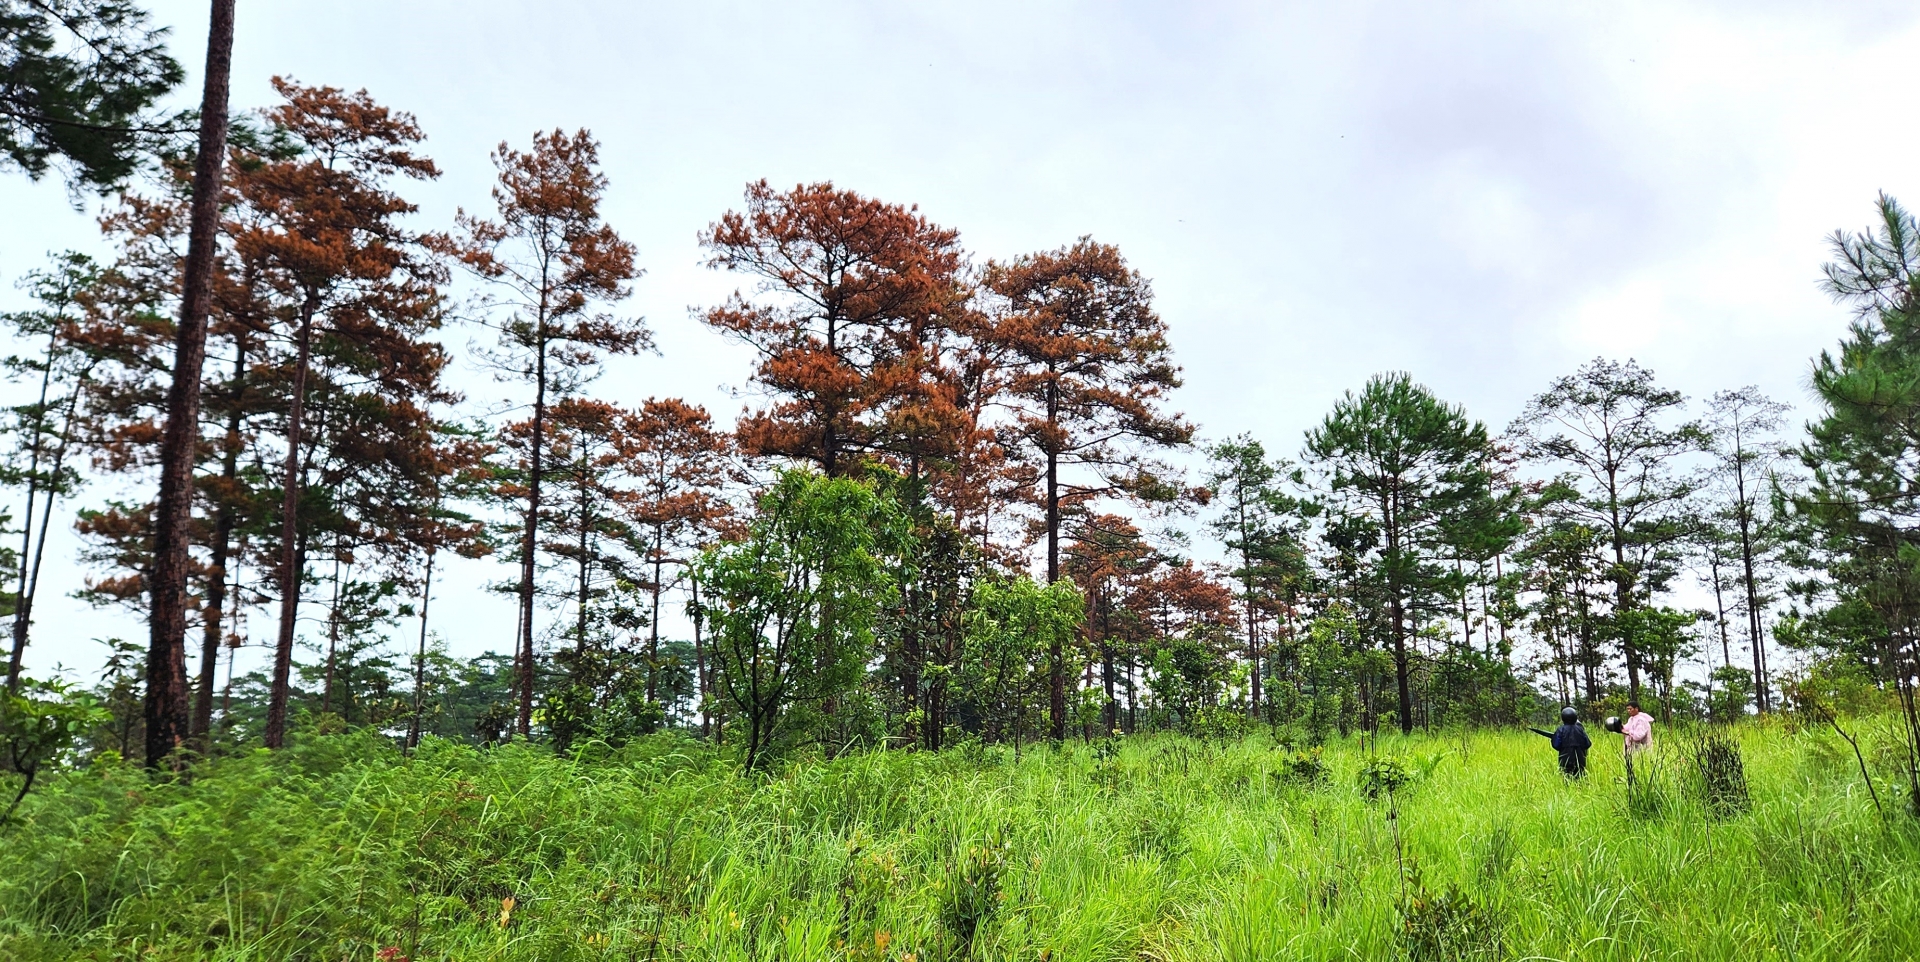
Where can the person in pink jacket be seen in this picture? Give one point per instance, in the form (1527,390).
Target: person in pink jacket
(1638,729)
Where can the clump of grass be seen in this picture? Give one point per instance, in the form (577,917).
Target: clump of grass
(1159,829)
(1497,853)
(1723,776)
(1648,795)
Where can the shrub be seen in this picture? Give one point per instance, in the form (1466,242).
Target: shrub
(972,893)
(1447,927)
(1383,776)
(1307,769)
(39,729)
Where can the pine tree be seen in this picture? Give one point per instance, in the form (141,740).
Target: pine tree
(1260,524)
(78,84)
(166,708)
(851,291)
(682,468)
(46,427)
(1610,424)
(1416,469)
(360,294)
(1086,367)
(554,266)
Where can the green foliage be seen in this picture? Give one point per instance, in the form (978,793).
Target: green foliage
(1010,629)
(1450,926)
(78,81)
(1731,690)
(972,894)
(1413,471)
(41,726)
(792,607)
(1855,517)
(1188,682)
(1381,776)
(1306,769)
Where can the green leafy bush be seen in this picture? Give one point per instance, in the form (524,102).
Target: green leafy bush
(1381,776)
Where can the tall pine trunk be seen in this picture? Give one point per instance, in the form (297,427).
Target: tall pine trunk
(1253,624)
(1622,588)
(165,704)
(1761,697)
(586,566)
(333,640)
(1397,613)
(702,666)
(653,620)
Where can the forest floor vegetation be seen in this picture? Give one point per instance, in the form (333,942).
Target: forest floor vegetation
(1443,846)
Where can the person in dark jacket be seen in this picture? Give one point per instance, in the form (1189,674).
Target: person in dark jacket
(1571,741)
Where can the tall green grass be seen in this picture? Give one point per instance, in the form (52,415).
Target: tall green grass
(1164,848)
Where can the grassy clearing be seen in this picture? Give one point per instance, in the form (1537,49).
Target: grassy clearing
(1161,848)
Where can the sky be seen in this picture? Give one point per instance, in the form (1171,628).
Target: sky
(1485,195)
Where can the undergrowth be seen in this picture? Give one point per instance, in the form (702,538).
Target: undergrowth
(1149,847)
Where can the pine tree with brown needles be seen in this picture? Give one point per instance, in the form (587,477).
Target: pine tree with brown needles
(553,266)
(360,293)
(682,469)
(1087,368)
(849,292)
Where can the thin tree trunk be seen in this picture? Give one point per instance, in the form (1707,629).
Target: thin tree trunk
(1720,608)
(22,598)
(653,620)
(165,705)
(1623,589)
(290,536)
(701,664)
(1761,697)
(226,691)
(420,657)
(1396,612)
(23,617)
(586,566)
(1109,714)
(829,434)
(213,617)
(1057,670)
(1560,662)
(1587,659)
(1466,612)
(523,658)
(1253,624)
(333,639)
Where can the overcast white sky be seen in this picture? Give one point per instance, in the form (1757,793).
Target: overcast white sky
(1483,194)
